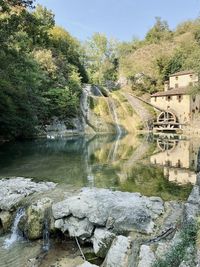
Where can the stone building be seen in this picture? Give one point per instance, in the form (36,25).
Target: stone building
(178,159)
(177,105)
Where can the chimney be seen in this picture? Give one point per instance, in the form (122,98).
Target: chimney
(166,86)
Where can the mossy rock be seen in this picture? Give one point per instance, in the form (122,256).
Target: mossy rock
(36,215)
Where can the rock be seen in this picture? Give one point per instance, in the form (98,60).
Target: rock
(120,211)
(102,241)
(87,264)
(36,215)
(192,207)
(191,212)
(174,211)
(146,257)
(59,128)
(5,220)
(60,210)
(81,228)
(119,252)
(14,190)
(33,263)
(162,249)
(194,197)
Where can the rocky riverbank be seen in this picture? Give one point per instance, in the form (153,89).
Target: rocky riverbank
(122,229)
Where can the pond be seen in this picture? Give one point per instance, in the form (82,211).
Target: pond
(152,165)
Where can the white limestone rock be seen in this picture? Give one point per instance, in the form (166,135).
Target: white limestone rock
(14,190)
(120,211)
(102,241)
(119,252)
(81,228)
(146,257)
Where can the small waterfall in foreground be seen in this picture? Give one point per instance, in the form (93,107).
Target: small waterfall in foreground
(46,240)
(15,232)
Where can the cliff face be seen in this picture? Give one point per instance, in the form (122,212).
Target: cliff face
(102,111)
(110,112)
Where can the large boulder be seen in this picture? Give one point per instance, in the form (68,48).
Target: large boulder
(120,211)
(81,228)
(192,207)
(119,252)
(102,241)
(146,257)
(5,221)
(38,216)
(14,190)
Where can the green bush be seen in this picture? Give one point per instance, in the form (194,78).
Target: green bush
(178,252)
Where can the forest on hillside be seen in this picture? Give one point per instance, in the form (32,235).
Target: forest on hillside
(43,67)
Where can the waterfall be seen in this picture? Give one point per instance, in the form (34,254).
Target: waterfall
(116,119)
(113,112)
(46,241)
(99,91)
(15,232)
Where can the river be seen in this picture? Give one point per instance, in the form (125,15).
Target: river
(152,165)
(161,166)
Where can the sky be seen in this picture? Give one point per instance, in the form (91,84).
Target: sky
(119,19)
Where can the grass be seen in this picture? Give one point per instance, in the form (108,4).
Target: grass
(179,251)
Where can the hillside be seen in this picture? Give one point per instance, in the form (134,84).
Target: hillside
(43,70)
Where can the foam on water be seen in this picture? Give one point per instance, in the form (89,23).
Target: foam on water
(15,233)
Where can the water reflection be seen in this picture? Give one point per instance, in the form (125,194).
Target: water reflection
(178,158)
(129,163)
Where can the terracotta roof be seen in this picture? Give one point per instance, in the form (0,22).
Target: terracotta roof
(174,91)
(184,72)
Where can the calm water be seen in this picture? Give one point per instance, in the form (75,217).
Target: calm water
(159,166)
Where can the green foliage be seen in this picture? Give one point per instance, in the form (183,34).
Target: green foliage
(178,252)
(41,69)
(174,65)
(62,102)
(101,59)
(160,31)
(160,54)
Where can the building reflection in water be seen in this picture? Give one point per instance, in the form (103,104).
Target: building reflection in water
(178,158)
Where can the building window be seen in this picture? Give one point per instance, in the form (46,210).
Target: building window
(193,98)
(179,163)
(179,98)
(176,85)
(176,77)
(168,163)
(191,76)
(168,98)
(155,98)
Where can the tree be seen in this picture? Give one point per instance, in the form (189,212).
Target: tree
(101,59)
(160,31)
(41,69)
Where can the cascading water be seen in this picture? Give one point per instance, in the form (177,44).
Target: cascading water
(116,119)
(15,232)
(113,152)
(90,176)
(46,240)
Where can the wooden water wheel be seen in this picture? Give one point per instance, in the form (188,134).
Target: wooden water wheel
(167,117)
